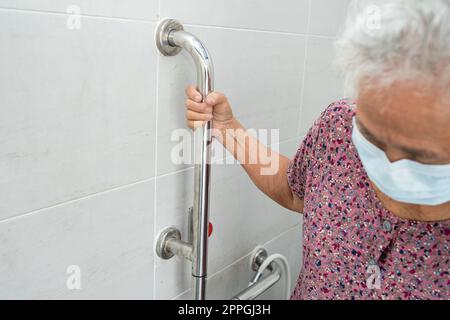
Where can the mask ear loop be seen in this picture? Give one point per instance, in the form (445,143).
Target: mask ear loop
(364,143)
(364,146)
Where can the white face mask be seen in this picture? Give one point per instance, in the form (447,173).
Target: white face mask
(404,180)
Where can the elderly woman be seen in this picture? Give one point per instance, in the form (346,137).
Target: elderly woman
(372,176)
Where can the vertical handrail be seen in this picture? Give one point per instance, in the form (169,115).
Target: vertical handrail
(171,38)
(202,174)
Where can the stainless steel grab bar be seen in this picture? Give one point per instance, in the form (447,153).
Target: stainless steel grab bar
(170,39)
(259,283)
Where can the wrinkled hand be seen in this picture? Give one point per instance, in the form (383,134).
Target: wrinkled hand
(215,107)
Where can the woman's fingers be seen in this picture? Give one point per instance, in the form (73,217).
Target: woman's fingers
(197,116)
(199,111)
(215,98)
(194,103)
(193,94)
(195,124)
(197,119)
(198,107)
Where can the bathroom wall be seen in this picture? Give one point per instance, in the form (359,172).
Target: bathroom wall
(87,109)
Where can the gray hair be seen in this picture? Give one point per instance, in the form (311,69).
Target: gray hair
(392,40)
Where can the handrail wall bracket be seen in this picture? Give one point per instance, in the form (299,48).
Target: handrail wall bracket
(165,27)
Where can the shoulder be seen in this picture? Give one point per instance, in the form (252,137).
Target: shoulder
(334,123)
(337,116)
(324,138)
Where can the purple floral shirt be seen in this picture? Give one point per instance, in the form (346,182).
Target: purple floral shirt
(354,248)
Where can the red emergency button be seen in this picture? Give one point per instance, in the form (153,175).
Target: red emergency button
(210,229)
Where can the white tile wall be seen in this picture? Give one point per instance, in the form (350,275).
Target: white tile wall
(322,84)
(174,194)
(109,236)
(130,9)
(85,123)
(327,16)
(77,110)
(281,15)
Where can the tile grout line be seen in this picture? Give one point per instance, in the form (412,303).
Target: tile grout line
(123,186)
(85,197)
(157,19)
(180,294)
(299,124)
(95,194)
(49,12)
(155,192)
(285,33)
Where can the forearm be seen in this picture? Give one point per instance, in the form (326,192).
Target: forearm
(265,167)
